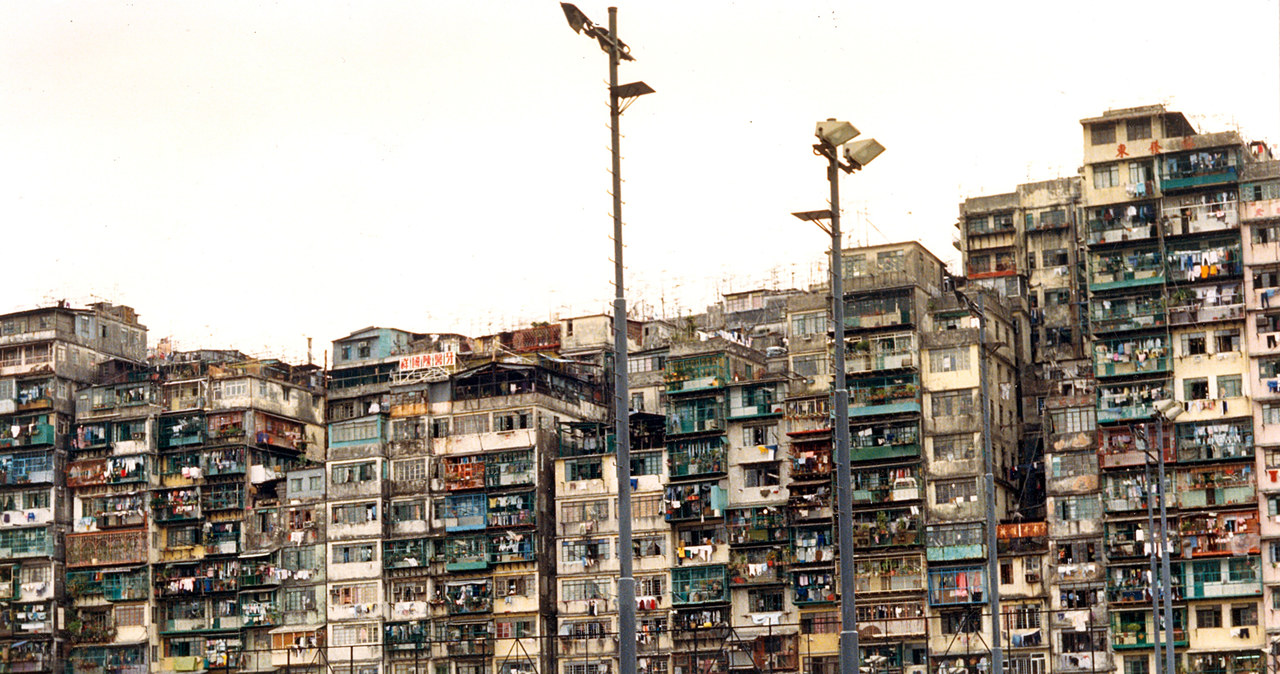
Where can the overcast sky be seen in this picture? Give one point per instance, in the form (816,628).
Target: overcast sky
(249,174)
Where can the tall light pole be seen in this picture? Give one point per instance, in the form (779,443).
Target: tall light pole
(617,50)
(1166,410)
(978,310)
(831,136)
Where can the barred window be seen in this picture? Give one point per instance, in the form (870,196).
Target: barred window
(952,359)
(353,635)
(585,511)
(585,588)
(470,424)
(953,403)
(409,469)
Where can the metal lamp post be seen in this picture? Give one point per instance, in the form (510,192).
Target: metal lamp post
(617,51)
(832,135)
(977,309)
(1166,410)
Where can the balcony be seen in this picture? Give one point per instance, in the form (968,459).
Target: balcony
(892,574)
(1185,178)
(757,566)
(883,395)
(28,468)
(882,442)
(508,469)
(953,542)
(1214,534)
(686,421)
(512,510)
(1230,440)
(1189,216)
(813,544)
(126,659)
(1129,402)
(259,614)
(114,470)
(407,554)
(1215,487)
(1218,578)
(1123,314)
(810,460)
(468,597)
(29,435)
(697,373)
(583,439)
(29,542)
(813,587)
(116,547)
(1113,224)
(407,636)
(1123,446)
(756,526)
(691,458)
(696,501)
(881,352)
(950,587)
(884,309)
(1125,269)
(887,528)
(181,431)
(218,462)
(175,505)
(1134,356)
(1022,538)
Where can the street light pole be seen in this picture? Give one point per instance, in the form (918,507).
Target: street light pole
(840,424)
(832,135)
(626,595)
(1165,575)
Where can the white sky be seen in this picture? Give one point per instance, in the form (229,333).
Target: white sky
(247,174)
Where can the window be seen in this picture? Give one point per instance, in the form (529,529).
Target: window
(357,593)
(1195,388)
(1031,257)
(808,325)
(949,360)
(1106,175)
(131,616)
(810,365)
(1244,615)
(588,552)
(1230,386)
(824,622)
(408,511)
(1141,171)
(1225,341)
(1006,576)
(1083,642)
(587,511)
(355,431)
(648,463)
(352,635)
(583,469)
(1241,570)
(299,599)
(953,403)
(761,475)
(440,428)
(471,424)
(1209,616)
(649,546)
(637,402)
(955,491)
(960,447)
(510,421)
(1056,257)
(651,586)
(1102,133)
(409,469)
(351,473)
(1271,415)
(647,507)
(1137,129)
(1078,507)
(1070,465)
(1022,616)
(516,586)
(1136,664)
(760,435)
(1193,344)
(585,588)
(961,622)
(764,600)
(350,554)
(514,629)
(355,513)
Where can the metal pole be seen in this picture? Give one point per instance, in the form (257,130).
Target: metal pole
(622,427)
(1165,579)
(1153,542)
(840,422)
(989,486)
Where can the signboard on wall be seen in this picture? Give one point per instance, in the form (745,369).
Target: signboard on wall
(421,361)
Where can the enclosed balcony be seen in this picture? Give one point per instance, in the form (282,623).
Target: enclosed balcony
(1212,533)
(884,441)
(813,544)
(32,432)
(181,431)
(259,609)
(29,542)
(755,400)
(1204,212)
(1133,538)
(216,462)
(955,541)
(1134,629)
(469,596)
(757,566)
(100,549)
(1125,268)
(175,505)
(1128,491)
(887,528)
(1133,222)
(221,538)
(979,225)
(583,439)
(884,395)
(200,577)
(112,512)
(409,553)
(963,585)
(1119,314)
(1217,578)
(1215,441)
(465,512)
(1022,537)
(113,470)
(694,501)
(509,469)
(92,436)
(504,549)
(890,574)
(813,586)
(697,373)
(1131,445)
(756,526)
(278,433)
(464,472)
(697,457)
(883,309)
(1119,357)
(1216,486)
(1130,401)
(874,353)
(112,586)
(1200,168)
(222,496)
(107,659)
(873,486)
(810,459)
(512,510)
(27,468)
(699,585)
(990,265)
(412,635)
(699,415)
